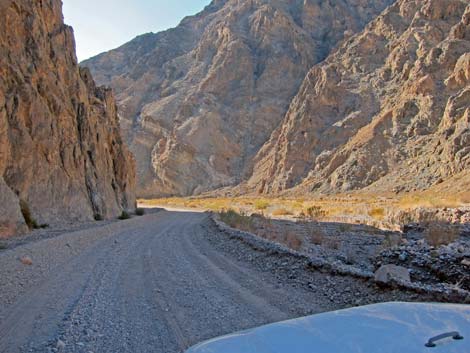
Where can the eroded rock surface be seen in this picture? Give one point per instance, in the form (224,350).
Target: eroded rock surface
(388,111)
(61,152)
(200,100)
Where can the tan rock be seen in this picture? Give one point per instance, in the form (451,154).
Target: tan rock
(388,111)
(388,273)
(218,101)
(26,260)
(200,100)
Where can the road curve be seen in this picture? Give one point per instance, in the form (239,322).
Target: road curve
(150,284)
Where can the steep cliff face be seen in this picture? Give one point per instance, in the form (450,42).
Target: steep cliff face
(61,154)
(200,100)
(389,111)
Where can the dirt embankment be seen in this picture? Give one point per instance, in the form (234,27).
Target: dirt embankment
(434,259)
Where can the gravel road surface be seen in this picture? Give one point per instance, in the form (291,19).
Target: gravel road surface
(158,283)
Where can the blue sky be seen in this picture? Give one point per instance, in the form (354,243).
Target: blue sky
(101,25)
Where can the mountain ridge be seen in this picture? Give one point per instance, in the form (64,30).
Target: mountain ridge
(400,124)
(197,106)
(263,101)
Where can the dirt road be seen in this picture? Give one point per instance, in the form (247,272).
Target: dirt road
(158,283)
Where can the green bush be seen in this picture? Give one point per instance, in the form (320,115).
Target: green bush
(237,220)
(140,211)
(124,215)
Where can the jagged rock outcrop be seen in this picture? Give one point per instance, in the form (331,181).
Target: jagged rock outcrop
(61,153)
(388,111)
(199,101)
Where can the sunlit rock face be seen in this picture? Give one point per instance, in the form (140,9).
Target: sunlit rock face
(61,152)
(388,111)
(199,101)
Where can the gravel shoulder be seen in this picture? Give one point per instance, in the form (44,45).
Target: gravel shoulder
(158,283)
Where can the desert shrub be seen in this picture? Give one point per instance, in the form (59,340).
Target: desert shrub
(377,213)
(261,205)
(315,212)
(282,212)
(28,217)
(407,217)
(332,243)
(124,215)
(350,256)
(140,211)
(3,246)
(98,217)
(237,220)
(344,227)
(391,241)
(317,236)
(440,233)
(266,229)
(429,200)
(212,204)
(293,241)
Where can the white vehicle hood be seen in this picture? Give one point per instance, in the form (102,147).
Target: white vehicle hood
(380,328)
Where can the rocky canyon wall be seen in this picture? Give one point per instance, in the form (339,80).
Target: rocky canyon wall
(388,111)
(303,96)
(200,100)
(61,153)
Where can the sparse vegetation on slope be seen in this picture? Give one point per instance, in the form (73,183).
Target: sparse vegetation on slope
(383,210)
(440,233)
(237,220)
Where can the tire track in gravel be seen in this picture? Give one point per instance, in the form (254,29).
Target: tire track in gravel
(123,316)
(214,288)
(241,293)
(154,284)
(37,315)
(274,293)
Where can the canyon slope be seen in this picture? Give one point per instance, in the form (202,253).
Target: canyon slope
(388,111)
(198,102)
(61,154)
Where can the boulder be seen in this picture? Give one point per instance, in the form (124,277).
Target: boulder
(388,273)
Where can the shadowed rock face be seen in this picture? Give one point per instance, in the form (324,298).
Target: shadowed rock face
(388,111)
(199,101)
(60,147)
